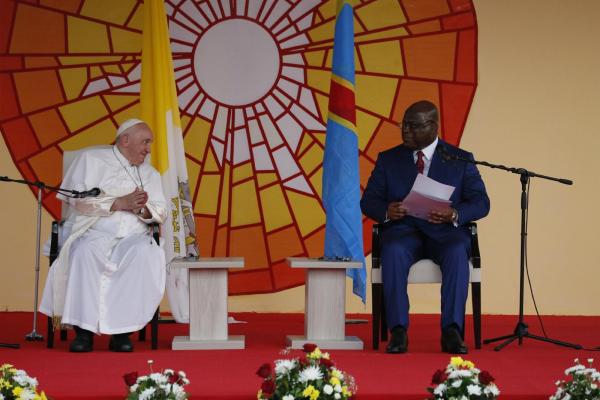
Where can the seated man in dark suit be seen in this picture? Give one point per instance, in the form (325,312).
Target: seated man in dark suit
(442,238)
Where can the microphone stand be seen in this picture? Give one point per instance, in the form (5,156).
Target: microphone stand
(34,335)
(521,329)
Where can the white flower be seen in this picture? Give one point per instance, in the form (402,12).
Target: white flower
(463,397)
(590,360)
(158,378)
(169,372)
(577,367)
(182,374)
(178,392)
(133,388)
(310,373)
(337,396)
(338,388)
(328,389)
(491,389)
(283,367)
(1,396)
(460,373)
(474,390)
(147,393)
(287,397)
(440,389)
(456,384)
(27,394)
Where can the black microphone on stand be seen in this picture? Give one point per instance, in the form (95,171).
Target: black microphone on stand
(440,148)
(86,193)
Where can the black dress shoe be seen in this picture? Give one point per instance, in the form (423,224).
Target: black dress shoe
(120,343)
(452,342)
(83,342)
(398,342)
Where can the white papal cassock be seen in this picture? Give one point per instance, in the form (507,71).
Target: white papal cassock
(110,274)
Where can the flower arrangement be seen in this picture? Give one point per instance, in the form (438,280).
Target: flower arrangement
(16,384)
(313,377)
(583,385)
(461,380)
(165,385)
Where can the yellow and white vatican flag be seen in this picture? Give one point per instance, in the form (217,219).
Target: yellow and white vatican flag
(159,108)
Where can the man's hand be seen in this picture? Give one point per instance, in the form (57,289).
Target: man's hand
(441,216)
(396,211)
(130,202)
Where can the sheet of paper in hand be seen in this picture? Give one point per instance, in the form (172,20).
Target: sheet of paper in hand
(427,194)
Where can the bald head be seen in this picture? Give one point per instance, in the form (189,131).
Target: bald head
(423,107)
(420,125)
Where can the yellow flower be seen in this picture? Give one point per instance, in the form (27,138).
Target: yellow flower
(325,356)
(17,391)
(346,392)
(336,373)
(43,395)
(308,391)
(315,394)
(259,394)
(456,361)
(316,354)
(468,364)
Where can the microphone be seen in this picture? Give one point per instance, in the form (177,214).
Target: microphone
(440,148)
(87,193)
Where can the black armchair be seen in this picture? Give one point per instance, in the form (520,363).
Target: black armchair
(424,271)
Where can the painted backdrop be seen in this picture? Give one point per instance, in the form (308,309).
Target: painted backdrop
(253,82)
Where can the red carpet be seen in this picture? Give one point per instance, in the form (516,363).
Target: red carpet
(522,372)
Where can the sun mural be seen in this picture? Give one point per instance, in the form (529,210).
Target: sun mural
(253,81)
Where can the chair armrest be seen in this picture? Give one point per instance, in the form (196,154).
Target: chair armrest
(475,255)
(155,227)
(54,247)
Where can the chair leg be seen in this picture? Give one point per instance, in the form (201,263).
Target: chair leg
(376,313)
(476,297)
(384,328)
(142,334)
(154,329)
(50,341)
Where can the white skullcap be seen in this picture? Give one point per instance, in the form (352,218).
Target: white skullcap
(128,124)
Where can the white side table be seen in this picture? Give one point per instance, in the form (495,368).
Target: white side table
(325,304)
(208,304)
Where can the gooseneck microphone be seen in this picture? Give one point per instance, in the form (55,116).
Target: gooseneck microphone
(440,148)
(87,193)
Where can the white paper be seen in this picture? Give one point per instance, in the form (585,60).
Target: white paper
(432,188)
(427,194)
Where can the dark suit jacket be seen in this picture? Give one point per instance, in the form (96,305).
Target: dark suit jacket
(395,172)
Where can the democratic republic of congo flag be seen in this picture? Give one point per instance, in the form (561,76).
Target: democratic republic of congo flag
(341,182)
(160,110)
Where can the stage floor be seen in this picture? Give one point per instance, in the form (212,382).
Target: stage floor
(522,372)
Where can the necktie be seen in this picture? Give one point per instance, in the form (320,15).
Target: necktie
(420,162)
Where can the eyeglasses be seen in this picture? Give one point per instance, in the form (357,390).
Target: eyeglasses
(416,126)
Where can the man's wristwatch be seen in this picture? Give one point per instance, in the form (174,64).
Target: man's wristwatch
(454,215)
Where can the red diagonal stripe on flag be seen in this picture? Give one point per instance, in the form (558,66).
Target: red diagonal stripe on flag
(341,102)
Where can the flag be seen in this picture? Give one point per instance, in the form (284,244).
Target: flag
(160,110)
(341,181)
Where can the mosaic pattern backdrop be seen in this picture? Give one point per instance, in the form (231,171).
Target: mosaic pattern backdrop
(253,82)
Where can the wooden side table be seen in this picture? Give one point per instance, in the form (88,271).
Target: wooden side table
(208,304)
(325,304)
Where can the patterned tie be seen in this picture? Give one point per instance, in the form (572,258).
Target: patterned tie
(420,162)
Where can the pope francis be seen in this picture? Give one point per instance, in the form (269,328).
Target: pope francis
(110,275)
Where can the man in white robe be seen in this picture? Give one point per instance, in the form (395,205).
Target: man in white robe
(109,277)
